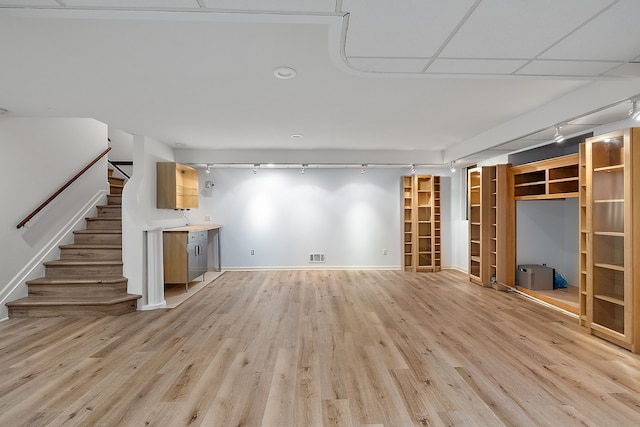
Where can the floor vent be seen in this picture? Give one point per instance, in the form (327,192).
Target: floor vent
(316,257)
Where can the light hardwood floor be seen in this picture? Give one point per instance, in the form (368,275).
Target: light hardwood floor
(332,348)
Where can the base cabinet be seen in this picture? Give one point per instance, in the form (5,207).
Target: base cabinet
(185,256)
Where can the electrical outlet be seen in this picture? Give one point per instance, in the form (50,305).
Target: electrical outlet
(252,252)
(384,252)
(207,217)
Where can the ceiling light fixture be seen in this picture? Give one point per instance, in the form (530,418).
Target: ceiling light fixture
(296,136)
(208,168)
(452,166)
(302,169)
(413,169)
(558,137)
(284,73)
(634,114)
(255,168)
(364,165)
(3,111)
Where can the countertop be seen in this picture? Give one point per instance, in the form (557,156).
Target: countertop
(195,227)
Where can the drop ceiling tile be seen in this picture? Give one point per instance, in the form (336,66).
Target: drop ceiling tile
(389,65)
(567,68)
(519,29)
(131,4)
(475,66)
(325,6)
(609,115)
(411,28)
(27,3)
(525,143)
(614,36)
(626,70)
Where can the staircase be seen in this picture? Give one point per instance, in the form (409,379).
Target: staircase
(87,280)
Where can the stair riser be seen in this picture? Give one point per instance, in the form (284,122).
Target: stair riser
(99,224)
(90,238)
(72,291)
(116,181)
(92,254)
(73,311)
(105,212)
(82,271)
(114,199)
(115,190)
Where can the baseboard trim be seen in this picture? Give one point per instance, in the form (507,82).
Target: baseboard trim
(302,268)
(150,307)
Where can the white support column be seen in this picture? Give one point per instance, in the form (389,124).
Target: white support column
(153,271)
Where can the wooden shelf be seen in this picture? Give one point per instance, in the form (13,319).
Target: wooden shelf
(609,266)
(608,168)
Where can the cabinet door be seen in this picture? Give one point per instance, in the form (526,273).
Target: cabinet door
(203,254)
(193,266)
(176,258)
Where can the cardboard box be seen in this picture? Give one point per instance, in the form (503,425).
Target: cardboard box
(535,277)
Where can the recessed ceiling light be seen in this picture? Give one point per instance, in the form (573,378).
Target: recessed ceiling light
(180,144)
(284,73)
(297,136)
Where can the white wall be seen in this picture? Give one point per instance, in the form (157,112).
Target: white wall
(37,157)
(548,233)
(121,144)
(139,214)
(456,246)
(284,215)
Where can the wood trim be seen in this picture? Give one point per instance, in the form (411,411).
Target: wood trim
(61,189)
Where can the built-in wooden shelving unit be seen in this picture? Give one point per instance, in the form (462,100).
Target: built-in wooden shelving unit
(584,238)
(491,227)
(609,248)
(421,223)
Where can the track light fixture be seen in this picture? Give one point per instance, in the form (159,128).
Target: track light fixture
(208,168)
(558,137)
(364,165)
(452,166)
(255,168)
(634,114)
(302,169)
(413,169)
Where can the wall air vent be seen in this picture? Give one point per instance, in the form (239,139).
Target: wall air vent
(317,257)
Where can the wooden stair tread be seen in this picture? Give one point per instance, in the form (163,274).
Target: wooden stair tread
(49,301)
(80,280)
(99,231)
(69,262)
(91,246)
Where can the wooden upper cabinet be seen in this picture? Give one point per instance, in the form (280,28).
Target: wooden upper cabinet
(177,186)
(555,178)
